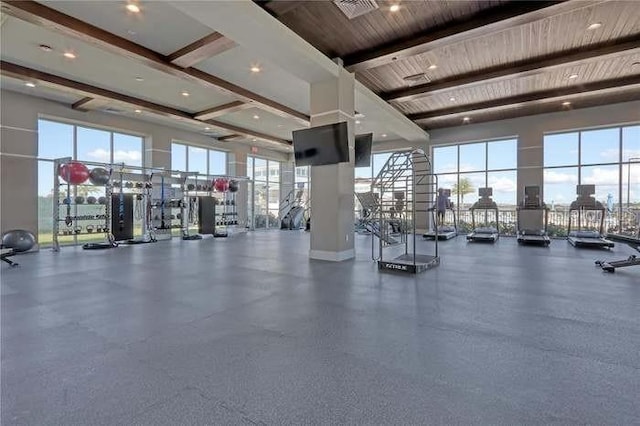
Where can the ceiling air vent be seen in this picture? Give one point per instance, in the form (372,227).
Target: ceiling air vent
(111,110)
(416,78)
(355,8)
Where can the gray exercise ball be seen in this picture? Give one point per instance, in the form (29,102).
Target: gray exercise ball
(18,240)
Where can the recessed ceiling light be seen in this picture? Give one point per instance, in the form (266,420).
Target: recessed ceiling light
(29,84)
(207,128)
(256,117)
(384,135)
(594,26)
(185,94)
(466,119)
(566,103)
(45,48)
(254,140)
(139,79)
(134,8)
(433,66)
(394,7)
(280,126)
(572,76)
(131,32)
(69,55)
(138,111)
(452,99)
(255,68)
(357,121)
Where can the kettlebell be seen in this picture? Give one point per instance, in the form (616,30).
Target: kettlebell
(91,200)
(128,184)
(79,199)
(102,200)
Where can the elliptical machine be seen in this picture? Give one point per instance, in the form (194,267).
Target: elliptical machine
(532,203)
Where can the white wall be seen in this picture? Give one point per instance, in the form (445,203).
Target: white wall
(530,133)
(19,146)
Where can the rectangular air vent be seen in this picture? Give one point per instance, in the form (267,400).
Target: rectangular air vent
(355,8)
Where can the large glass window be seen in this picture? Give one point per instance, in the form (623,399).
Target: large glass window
(197,160)
(190,158)
(266,176)
(83,143)
(464,168)
(602,157)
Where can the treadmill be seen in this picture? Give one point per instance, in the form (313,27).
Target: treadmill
(585,202)
(532,203)
(632,241)
(444,231)
(486,233)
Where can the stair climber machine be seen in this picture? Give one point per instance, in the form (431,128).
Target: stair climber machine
(487,233)
(441,229)
(404,191)
(292,210)
(588,210)
(369,222)
(532,204)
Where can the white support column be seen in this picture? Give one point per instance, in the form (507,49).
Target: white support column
(332,204)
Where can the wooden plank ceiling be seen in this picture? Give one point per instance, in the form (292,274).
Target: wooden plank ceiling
(478,57)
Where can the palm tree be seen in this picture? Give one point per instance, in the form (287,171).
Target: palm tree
(463,187)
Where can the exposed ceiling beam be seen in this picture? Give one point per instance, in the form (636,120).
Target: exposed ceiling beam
(81,104)
(95,93)
(485,22)
(534,109)
(200,50)
(229,137)
(66,25)
(520,69)
(279,8)
(222,110)
(530,97)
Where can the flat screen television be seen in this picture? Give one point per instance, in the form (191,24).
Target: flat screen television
(363,150)
(321,145)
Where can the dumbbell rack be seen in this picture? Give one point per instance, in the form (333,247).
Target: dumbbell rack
(166,201)
(226,214)
(74,228)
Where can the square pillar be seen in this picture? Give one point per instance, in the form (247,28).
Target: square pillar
(332,204)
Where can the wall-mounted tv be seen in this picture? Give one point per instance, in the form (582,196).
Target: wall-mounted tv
(321,145)
(363,150)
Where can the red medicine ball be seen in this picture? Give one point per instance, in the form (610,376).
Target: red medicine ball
(221,185)
(74,172)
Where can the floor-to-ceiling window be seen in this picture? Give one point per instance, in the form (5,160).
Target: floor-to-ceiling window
(609,158)
(191,158)
(464,168)
(266,196)
(83,143)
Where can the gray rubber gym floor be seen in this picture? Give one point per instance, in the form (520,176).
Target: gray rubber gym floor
(247,330)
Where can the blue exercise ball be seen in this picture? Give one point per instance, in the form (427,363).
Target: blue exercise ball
(19,240)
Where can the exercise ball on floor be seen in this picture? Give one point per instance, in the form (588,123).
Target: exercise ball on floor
(19,240)
(73,172)
(99,176)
